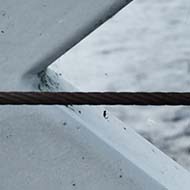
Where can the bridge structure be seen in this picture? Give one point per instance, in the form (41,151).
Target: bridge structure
(66,147)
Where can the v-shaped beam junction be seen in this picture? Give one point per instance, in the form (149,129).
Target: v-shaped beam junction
(35,33)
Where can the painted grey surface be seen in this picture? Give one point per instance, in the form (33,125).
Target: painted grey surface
(66,147)
(154,57)
(35,33)
(41,152)
(75,147)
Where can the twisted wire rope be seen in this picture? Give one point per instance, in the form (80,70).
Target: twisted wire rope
(95,98)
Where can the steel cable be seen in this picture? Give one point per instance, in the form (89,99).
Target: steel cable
(95,98)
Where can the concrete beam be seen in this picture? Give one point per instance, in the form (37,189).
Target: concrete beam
(51,147)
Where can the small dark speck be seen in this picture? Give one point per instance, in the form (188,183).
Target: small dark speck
(65,123)
(105,114)
(153,150)
(83,158)
(60,74)
(3,13)
(174,159)
(176,168)
(120,176)
(106,74)
(8,136)
(163,172)
(2,31)
(74,184)
(188,150)
(78,128)
(80,112)
(125,128)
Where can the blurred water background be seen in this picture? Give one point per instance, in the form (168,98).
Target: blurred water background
(146,47)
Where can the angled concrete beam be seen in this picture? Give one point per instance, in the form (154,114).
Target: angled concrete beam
(55,147)
(35,33)
(49,147)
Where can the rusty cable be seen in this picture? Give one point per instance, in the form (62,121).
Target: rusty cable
(95,98)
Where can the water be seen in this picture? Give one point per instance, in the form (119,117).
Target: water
(146,47)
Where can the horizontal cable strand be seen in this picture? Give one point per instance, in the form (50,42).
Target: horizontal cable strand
(95,98)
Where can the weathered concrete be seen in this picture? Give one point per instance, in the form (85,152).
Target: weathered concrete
(52,147)
(35,33)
